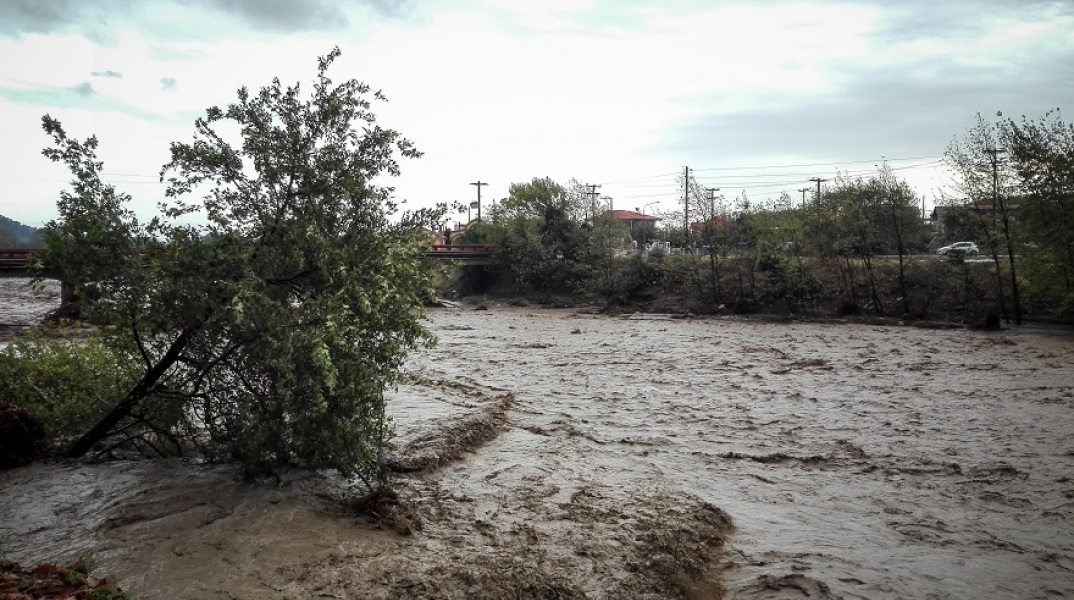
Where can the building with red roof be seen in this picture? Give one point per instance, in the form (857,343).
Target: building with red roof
(630,217)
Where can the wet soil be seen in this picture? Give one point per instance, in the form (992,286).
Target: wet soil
(550,454)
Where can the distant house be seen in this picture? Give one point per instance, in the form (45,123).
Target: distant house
(941,214)
(698,226)
(630,218)
(938,213)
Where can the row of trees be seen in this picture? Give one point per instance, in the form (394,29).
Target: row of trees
(16,235)
(549,245)
(861,245)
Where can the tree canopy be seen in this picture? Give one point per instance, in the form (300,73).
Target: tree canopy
(269,305)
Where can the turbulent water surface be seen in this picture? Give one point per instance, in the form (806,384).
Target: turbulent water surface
(855,461)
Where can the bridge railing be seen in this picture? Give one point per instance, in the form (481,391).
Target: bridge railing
(463,249)
(16,258)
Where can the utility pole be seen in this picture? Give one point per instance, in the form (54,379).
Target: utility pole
(591,199)
(686,204)
(1001,206)
(819,181)
(712,201)
(803,190)
(611,205)
(478,183)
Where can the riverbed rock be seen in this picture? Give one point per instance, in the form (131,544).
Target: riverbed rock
(21,436)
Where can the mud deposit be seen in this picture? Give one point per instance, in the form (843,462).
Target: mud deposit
(611,456)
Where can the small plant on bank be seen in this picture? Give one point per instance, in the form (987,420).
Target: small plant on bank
(48,581)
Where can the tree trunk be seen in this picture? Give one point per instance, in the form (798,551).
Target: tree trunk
(999,284)
(878,306)
(715,270)
(1014,273)
(896,227)
(104,427)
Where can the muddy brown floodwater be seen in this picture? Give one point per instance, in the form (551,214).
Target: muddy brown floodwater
(611,455)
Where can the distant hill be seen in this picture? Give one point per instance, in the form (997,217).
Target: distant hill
(16,235)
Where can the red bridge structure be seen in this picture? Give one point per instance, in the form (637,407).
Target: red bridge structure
(15,262)
(469,254)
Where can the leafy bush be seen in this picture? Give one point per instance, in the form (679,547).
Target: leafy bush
(268,333)
(66,385)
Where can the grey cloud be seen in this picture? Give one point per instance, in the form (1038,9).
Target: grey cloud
(292,15)
(924,19)
(113,74)
(168,83)
(34,16)
(911,111)
(284,15)
(84,89)
(47,16)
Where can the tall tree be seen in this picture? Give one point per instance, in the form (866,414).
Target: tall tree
(269,334)
(985,179)
(1042,153)
(858,208)
(542,244)
(902,223)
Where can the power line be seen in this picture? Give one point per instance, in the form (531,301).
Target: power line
(675,174)
(840,162)
(848,172)
(664,195)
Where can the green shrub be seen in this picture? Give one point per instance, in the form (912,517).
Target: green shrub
(64,384)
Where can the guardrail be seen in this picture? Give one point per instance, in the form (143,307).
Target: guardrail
(464,249)
(16,260)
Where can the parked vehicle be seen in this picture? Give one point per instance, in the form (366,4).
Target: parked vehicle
(960,249)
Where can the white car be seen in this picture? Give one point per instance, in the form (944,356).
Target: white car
(960,249)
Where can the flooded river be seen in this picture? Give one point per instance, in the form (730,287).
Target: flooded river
(855,461)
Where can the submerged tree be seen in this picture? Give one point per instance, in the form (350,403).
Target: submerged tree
(269,334)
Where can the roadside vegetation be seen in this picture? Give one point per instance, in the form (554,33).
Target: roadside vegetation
(862,247)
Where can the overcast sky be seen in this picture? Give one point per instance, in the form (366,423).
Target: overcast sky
(755,96)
